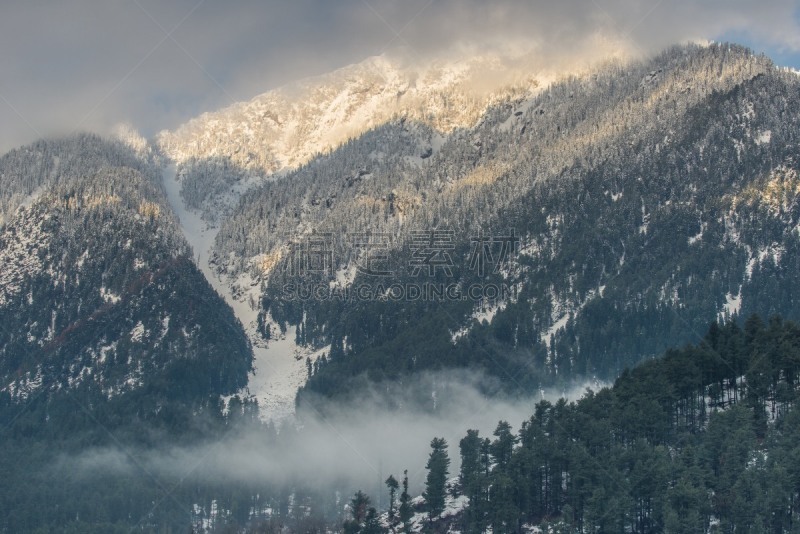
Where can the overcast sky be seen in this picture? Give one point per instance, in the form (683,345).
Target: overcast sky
(89,64)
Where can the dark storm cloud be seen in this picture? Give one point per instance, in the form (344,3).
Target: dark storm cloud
(88,64)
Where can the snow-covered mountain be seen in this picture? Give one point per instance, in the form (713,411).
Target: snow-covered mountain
(591,172)
(286,127)
(478,145)
(148,282)
(98,292)
(223,153)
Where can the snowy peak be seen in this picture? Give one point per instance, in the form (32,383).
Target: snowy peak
(286,127)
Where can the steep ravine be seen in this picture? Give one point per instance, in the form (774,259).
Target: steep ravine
(280,364)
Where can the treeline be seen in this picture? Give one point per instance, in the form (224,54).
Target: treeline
(703,439)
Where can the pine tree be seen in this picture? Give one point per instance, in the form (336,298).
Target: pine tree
(503,446)
(392,484)
(405,512)
(359,507)
(470,447)
(472,479)
(435,484)
(372,524)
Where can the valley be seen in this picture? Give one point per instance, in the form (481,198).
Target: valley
(279,367)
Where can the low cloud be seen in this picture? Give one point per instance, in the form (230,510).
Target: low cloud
(355,445)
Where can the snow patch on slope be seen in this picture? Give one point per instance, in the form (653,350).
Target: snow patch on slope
(732,306)
(279,366)
(563,311)
(485,312)
(453,506)
(138,333)
(25,386)
(21,248)
(696,238)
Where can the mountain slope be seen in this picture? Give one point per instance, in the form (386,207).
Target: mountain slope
(625,188)
(99,295)
(222,153)
(701,439)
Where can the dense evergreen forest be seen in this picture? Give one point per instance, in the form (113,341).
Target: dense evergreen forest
(650,197)
(703,439)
